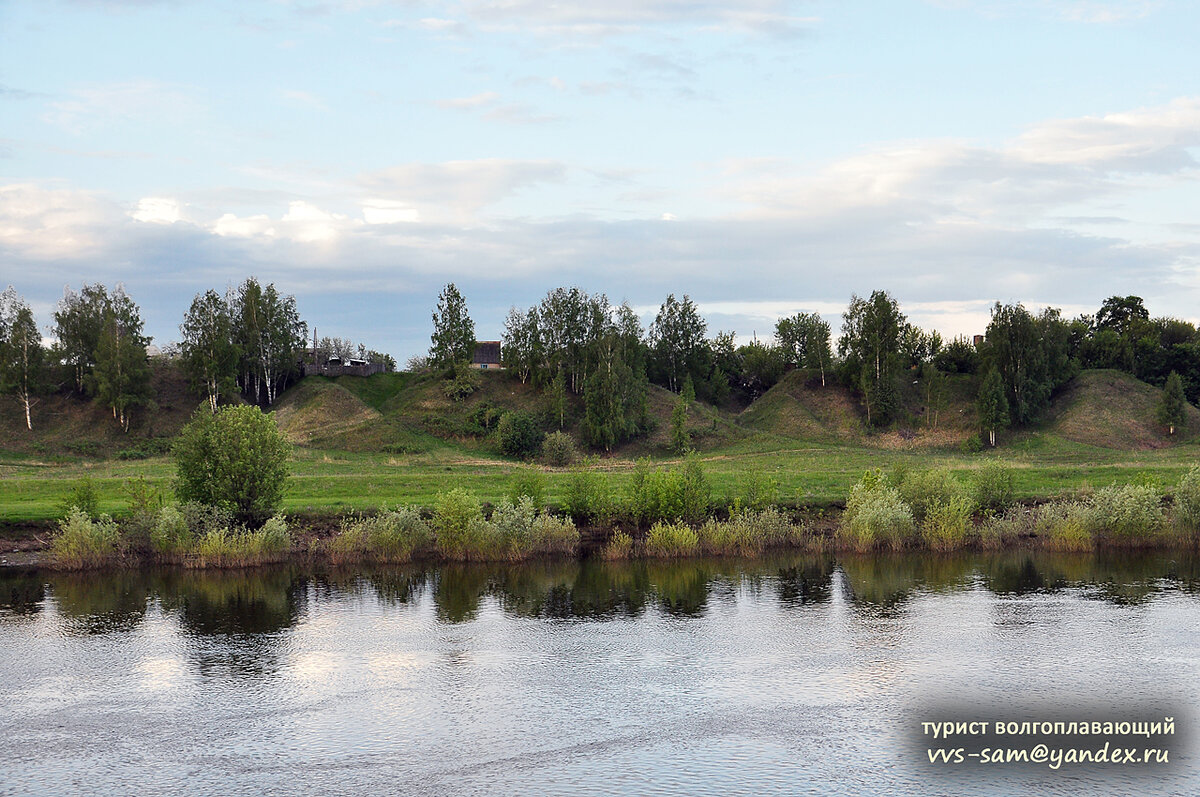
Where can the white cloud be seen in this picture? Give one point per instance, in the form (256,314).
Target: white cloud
(157,210)
(383,211)
(307,223)
(248,227)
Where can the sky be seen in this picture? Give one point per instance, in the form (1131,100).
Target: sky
(764,157)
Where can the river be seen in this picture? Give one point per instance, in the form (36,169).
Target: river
(786,675)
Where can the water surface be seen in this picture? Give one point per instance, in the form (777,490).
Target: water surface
(789,675)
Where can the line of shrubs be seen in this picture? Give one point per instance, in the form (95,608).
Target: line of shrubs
(191,534)
(936,510)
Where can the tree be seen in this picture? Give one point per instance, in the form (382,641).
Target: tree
(1014,348)
(78,322)
(22,356)
(992,405)
(611,399)
(558,398)
(936,400)
(121,376)
(1172,404)
(521,348)
(453,330)
(677,339)
(681,440)
(235,459)
(518,434)
(870,348)
(270,335)
(210,356)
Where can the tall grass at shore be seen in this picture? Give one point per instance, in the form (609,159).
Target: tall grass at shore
(82,542)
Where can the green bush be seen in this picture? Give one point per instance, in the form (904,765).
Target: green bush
(461,381)
(589,497)
(518,435)
(1187,501)
(924,489)
(83,496)
(171,533)
(458,525)
(972,445)
(1129,513)
(82,542)
(528,483)
(235,459)
(555,535)
(559,449)
(241,547)
(619,546)
(1064,525)
(748,533)
(946,525)
(875,516)
(671,540)
(757,492)
(995,487)
(676,494)
(514,523)
(390,536)
(1003,530)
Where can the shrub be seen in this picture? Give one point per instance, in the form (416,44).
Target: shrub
(390,536)
(461,381)
(84,497)
(875,515)
(749,533)
(83,542)
(994,487)
(946,524)
(528,483)
(1003,530)
(1064,525)
(695,494)
(1130,513)
(1187,500)
(235,459)
(171,533)
(239,547)
(555,535)
(559,449)
(619,546)
(671,540)
(589,496)
(924,489)
(514,524)
(518,434)
(757,492)
(457,524)
(972,445)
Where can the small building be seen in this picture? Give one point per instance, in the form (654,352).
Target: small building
(487,355)
(978,341)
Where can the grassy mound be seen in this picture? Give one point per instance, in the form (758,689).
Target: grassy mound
(1112,409)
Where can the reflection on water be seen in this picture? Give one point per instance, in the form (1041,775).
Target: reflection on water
(706,676)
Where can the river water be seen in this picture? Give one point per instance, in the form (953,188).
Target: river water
(788,675)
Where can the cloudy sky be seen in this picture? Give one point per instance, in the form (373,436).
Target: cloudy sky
(763,156)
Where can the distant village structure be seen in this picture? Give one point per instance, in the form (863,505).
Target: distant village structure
(335,365)
(487,355)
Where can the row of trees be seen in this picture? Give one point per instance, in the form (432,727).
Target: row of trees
(571,340)
(250,340)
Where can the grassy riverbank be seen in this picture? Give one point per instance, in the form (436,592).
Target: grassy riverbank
(663,512)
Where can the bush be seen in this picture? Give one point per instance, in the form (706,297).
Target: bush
(235,459)
(518,434)
(671,540)
(875,515)
(84,497)
(994,487)
(529,484)
(559,449)
(390,536)
(171,533)
(757,492)
(1130,513)
(461,381)
(1003,530)
(458,525)
(555,535)
(947,524)
(514,524)
(240,547)
(924,489)
(972,445)
(1064,525)
(619,546)
(83,542)
(749,533)
(1187,501)
(589,497)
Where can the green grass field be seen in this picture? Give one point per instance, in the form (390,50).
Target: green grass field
(334,482)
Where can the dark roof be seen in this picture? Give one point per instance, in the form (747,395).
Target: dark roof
(487,351)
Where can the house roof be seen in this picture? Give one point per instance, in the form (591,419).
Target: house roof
(487,351)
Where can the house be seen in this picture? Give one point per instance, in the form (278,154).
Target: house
(487,355)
